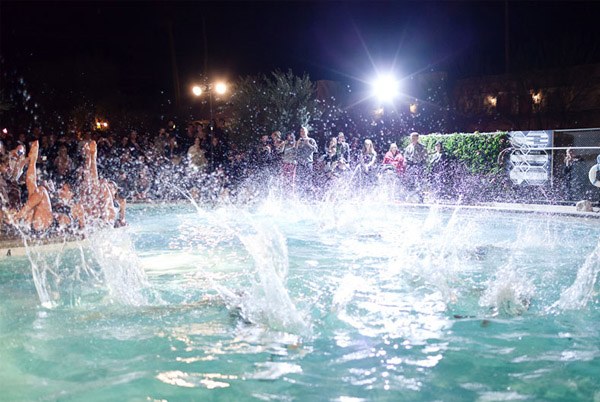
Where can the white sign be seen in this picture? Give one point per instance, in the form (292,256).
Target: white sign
(529,166)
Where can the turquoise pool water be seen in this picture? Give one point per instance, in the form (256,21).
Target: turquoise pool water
(325,302)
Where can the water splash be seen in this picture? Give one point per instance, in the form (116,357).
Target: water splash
(122,272)
(581,292)
(509,292)
(266,301)
(104,262)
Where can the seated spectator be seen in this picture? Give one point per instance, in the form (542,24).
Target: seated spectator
(366,163)
(394,159)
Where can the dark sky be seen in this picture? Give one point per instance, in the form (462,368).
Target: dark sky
(104,48)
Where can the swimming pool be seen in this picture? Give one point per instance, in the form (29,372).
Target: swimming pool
(326,301)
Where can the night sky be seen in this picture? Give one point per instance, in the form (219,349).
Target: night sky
(122,50)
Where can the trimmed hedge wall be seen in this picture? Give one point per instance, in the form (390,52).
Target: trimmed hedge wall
(478,151)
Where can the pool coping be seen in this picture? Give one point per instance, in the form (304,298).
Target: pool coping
(539,209)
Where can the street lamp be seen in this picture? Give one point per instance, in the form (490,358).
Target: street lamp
(219,87)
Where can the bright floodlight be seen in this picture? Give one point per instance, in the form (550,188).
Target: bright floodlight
(385,88)
(197,90)
(220,88)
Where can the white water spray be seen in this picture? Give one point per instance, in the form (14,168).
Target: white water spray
(581,292)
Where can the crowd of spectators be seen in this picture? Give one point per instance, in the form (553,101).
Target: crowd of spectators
(201,162)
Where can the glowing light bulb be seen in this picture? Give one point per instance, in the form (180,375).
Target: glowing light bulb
(220,88)
(197,90)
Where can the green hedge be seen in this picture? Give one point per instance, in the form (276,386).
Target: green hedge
(478,151)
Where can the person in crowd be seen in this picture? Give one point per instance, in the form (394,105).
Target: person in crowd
(288,161)
(366,163)
(189,138)
(439,172)
(343,148)
(105,146)
(394,160)
(37,211)
(355,151)
(276,141)
(120,204)
(263,152)
(143,183)
(161,143)
(306,147)
(415,155)
(218,154)
(277,145)
(134,147)
(573,176)
(329,159)
(63,164)
(197,156)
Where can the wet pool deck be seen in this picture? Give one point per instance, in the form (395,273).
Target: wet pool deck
(14,246)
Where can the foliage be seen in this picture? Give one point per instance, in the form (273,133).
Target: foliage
(478,151)
(263,104)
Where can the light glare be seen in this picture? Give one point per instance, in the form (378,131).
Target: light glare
(385,88)
(197,90)
(221,88)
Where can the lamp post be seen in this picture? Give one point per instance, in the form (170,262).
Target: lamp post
(220,88)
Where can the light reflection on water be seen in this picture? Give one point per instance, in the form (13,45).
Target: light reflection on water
(334,302)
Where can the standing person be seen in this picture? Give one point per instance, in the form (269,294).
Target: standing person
(572,175)
(263,153)
(305,148)
(415,155)
(288,161)
(439,174)
(277,145)
(197,156)
(37,211)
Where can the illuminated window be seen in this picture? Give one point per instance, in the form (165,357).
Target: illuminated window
(536,97)
(490,101)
